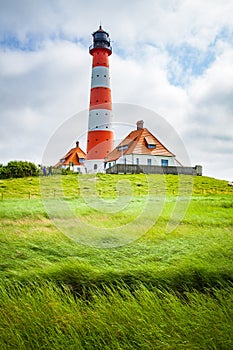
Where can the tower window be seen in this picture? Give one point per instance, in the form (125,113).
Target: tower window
(97,113)
(97,75)
(97,100)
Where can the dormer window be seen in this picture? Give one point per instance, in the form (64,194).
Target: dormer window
(150,142)
(122,148)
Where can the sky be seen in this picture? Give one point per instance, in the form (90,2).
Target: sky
(173,57)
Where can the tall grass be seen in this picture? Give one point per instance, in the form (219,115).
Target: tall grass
(163,291)
(45,317)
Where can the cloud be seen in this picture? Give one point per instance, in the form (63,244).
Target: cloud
(209,134)
(171,56)
(39,90)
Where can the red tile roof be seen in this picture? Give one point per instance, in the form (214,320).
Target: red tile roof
(137,143)
(72,156)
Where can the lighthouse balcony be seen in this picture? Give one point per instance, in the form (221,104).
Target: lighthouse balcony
(101,45)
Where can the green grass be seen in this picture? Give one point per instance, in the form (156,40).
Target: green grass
(44,317)
(107,185)
(165,290)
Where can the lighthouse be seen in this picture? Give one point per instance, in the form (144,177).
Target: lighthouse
(100,133)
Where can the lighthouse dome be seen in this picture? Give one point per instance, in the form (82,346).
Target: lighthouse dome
(101,39)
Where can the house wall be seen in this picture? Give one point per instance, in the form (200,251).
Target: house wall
(143,160)
(94,166)
(75,168)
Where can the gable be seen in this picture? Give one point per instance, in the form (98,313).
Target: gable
(140,141)
(75,156)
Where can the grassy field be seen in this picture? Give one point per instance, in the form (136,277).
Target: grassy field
(164,290)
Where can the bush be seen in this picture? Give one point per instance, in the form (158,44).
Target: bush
(17,169)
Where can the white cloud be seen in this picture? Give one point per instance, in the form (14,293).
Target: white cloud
(45,69)
(209,134)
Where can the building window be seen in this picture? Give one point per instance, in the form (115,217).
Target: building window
(164,162)
(137,161)
(150,142)
(148,161)
(81,160)
(122,148)
(109,165)
(95,166)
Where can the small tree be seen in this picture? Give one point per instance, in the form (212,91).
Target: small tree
(18,169)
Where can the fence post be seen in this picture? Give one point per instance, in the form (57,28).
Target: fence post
(29,195)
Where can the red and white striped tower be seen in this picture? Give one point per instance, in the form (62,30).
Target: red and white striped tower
(100,134)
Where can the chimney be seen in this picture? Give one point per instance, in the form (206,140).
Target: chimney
(140,124)
(77,144)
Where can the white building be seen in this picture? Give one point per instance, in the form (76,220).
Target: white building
(73,160)
(141,147)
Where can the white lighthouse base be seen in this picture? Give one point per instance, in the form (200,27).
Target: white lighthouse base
(94,166)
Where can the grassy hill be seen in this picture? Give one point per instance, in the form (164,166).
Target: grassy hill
(163,290)
(30,187)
